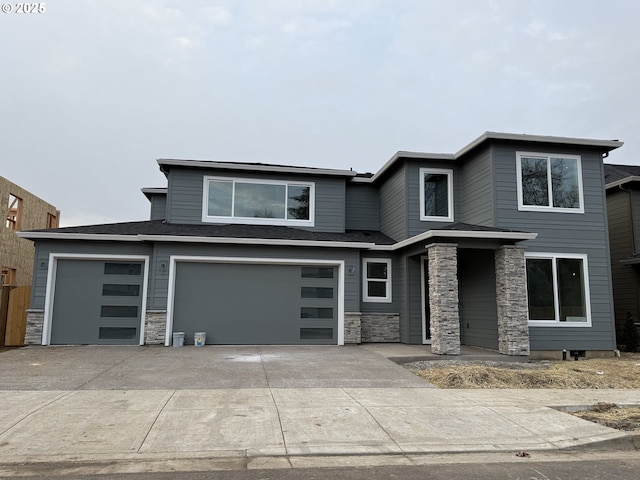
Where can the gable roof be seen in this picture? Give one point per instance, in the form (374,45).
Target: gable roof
(616,175)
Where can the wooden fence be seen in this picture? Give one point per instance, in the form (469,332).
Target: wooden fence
(14,303)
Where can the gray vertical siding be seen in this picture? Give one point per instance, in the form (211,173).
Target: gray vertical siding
(393,205)
(362,211)
(564,233)
(625,277)
(413,314)
(476,190)
(477,292)
(186,196)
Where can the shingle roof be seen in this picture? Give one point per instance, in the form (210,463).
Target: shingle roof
(613,173)
(158,227)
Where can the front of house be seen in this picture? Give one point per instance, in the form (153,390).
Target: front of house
(501,245)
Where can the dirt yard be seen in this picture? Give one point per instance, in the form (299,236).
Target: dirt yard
(598,373)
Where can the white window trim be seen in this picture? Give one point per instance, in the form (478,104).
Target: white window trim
(587,294)
(365,280)
(174,259)
(252,220)
(550,208)
(430,218)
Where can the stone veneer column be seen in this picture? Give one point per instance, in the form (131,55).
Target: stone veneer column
(155,325)
(443,299)
(511,298)
(35,324)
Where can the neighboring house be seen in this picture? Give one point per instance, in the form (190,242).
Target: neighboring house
(23,211)
(623,208)
(501,245)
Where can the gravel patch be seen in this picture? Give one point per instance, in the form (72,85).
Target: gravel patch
(433,364)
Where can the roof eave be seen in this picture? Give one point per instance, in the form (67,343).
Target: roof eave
(622,181)
(253,167)
(462,234)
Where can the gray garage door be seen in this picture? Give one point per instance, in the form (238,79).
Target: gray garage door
(97,302)
(239,304)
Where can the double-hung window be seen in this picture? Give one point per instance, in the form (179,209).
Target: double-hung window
(558,289)
(436,194)
(376,280)
(262,202)
(548,182)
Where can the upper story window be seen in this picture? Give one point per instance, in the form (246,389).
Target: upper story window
(436,194)
(262,202)
(14,213)
(549,182)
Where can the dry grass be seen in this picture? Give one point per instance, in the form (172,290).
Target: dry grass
(595,373)
(599,373)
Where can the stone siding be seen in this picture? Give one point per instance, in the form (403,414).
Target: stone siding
(155,325)
(443,299)
(352,328)
(511,298)
(35,324)
(380,327)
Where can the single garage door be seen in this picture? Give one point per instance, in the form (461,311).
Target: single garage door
(97,302)
(249,304)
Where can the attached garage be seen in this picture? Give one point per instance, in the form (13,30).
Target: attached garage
(97,302)
(256,303)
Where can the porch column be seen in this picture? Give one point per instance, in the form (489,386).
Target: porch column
(511,297)
(443,298)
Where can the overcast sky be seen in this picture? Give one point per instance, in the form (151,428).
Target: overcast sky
(93,92)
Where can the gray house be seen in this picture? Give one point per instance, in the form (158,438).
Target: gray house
(501,245)
(623,207)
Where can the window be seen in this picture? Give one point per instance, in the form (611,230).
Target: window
(8,276)
(436,194)
(558,289)
(240,200)
(122,268)
(14,213)
(376,280)
(549,182)
(52,220)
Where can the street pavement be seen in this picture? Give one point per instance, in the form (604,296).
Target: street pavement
(137,408)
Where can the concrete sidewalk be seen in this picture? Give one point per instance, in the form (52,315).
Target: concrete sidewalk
(268,425)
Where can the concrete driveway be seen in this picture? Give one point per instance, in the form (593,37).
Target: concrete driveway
(193,368)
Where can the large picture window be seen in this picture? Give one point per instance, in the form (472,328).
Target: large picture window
(549,182)
(376,280)
(239,200)
(558,289)
(436,194)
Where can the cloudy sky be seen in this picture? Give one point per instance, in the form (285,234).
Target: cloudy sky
(93,92)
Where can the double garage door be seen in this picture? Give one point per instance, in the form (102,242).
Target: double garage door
(97,302)
(237,304)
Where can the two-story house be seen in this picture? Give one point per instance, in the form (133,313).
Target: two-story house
(622,183)
(501,245)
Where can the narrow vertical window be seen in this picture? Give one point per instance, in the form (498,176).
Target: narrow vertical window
(14,213)
(436,194)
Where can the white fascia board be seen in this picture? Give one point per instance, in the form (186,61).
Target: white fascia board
(403,154)
(515,236)
(255,168)
(622,181)
(77,236)
(256,241)
(610,144)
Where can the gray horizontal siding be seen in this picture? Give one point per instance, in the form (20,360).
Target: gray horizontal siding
(476,190)
(158,207)
(361,208)
(393,205)
(185,197)
(564,233)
